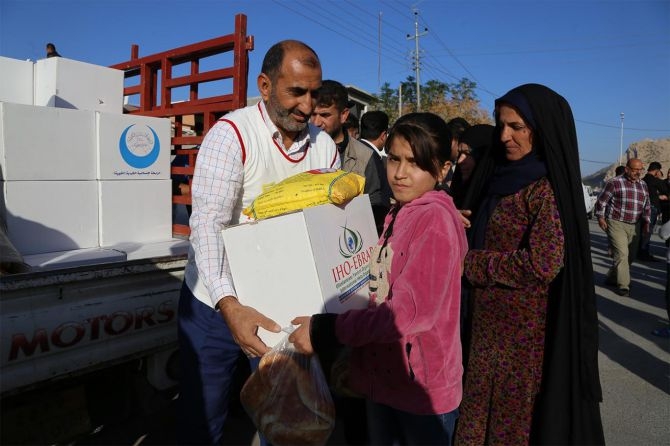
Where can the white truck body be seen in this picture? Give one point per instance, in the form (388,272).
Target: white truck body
(61,323)
(589,200)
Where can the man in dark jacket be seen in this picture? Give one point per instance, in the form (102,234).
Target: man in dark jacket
(657,194)
(330,114)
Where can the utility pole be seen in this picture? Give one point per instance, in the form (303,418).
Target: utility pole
(621,142)
(379,51)
(417,67)
(400,100)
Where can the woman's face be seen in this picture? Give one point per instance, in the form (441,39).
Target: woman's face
(514,133)
(408,181)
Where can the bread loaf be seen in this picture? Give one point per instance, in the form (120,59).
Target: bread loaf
(286,403)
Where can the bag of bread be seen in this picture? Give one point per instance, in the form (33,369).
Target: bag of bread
(311,188)
(288,399)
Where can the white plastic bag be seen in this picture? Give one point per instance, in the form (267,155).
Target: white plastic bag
(288,398)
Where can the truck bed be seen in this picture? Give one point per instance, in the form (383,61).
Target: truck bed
(64,321)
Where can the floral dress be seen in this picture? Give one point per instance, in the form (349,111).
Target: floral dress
(523,253)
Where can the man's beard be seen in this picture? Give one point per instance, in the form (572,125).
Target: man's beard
(282,116)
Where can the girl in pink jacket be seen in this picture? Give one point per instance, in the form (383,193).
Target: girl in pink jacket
(405,348)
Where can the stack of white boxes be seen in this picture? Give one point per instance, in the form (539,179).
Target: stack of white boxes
(79,178)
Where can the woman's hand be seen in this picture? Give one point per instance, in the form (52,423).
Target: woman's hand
(300,336)
(465,213)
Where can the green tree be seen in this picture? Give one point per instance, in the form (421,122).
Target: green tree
(444,99)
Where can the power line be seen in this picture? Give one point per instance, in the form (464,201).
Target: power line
(330,15)
(398,56)
(596,162)
(617,127)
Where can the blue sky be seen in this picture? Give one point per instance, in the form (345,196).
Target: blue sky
(604,57)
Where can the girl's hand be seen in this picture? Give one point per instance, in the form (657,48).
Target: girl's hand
(300,336)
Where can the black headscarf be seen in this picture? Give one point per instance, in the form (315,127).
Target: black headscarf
(566,409)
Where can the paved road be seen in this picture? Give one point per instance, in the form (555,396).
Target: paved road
(634,368)
(634,364)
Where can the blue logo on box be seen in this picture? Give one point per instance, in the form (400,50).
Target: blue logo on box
(350,242)
(139,148)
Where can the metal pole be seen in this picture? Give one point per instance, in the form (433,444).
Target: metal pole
(379,51)
(621,142)
(417,56)
(416,61)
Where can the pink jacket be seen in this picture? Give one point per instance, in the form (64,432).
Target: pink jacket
(407,348)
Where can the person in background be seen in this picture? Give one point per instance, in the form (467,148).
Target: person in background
(245,151)
(352,126)
(473,142)
(532,374)
(456,126)
(330,114)
(665,205)
(657,194)
(664,233)
(622,207)
(618,171)
(374,131)
(406,351)
(180,185)
(51,50)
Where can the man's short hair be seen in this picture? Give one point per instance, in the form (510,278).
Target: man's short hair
(654,166)
(352,122)
(332,92)
(275,57)
(373,123)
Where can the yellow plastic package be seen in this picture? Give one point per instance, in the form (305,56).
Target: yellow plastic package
(311,188)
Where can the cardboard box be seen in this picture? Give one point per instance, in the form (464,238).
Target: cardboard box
(307,262)
(137,211)
(67,83)
(49,216)
(43,143)
(17,81)
(132,147)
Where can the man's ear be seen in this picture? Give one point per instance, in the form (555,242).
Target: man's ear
(344,115)
(264,86)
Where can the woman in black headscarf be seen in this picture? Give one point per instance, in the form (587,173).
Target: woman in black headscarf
(532,375)
(474,141)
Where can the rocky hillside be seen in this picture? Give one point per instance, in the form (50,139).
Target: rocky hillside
(647,150)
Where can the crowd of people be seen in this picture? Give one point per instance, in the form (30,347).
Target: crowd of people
(482,324)
(627,209)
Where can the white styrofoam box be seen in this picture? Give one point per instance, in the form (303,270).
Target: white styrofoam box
(152,250)
(43,143)
(49,216)
(135,211)
(303,263)
(74,258)
(17,81)
(132,147)
(67,83)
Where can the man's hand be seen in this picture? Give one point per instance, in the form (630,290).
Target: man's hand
(645,228)
(300,336)
(602,223)
(243,322)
